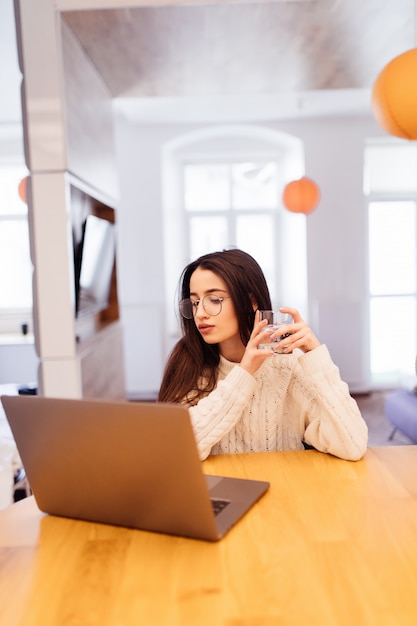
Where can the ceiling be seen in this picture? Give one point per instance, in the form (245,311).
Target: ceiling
(190,60)
(243,51)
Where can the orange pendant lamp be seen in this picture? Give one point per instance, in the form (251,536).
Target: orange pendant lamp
(301,196)
(21,189)
(394,96)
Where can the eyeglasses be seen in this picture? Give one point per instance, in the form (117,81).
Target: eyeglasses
(211,304)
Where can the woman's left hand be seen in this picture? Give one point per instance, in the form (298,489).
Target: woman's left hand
(301,336)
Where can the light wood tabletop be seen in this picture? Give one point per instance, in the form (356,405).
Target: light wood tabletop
(332,543)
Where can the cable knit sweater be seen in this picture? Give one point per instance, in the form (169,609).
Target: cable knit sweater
(290,399)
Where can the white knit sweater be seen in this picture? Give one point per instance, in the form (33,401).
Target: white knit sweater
(290,399)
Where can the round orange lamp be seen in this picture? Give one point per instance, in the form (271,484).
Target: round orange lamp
(301,196)
(21,189)
(394,96)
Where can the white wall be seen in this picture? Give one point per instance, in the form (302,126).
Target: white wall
(336,233)
(140,254)
(10,78)
(336,242)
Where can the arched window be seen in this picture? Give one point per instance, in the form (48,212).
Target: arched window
(222,188)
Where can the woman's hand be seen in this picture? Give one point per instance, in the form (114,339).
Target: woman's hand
(253,357)
(300,334)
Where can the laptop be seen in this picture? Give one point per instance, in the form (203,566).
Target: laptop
(132,464)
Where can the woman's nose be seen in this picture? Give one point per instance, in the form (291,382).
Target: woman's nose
(200,311)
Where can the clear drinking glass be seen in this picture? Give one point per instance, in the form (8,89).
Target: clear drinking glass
(276,320)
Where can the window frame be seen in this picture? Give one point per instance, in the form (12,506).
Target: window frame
(218,144)
(232,214)
(394,378)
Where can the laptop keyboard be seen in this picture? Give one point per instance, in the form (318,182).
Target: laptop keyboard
(219,505)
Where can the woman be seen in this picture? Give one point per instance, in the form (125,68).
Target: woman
(245,399)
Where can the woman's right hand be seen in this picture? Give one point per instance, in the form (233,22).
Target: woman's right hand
(253,357)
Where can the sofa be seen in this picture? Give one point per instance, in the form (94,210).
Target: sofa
(401,411)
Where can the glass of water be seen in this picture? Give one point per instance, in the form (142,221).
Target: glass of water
(276,320)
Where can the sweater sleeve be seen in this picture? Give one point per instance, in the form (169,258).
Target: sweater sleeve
(332,420)
(214,416)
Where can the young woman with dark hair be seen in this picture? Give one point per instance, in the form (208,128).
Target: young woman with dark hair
(245,399)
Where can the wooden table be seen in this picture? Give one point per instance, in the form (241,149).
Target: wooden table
(332,543)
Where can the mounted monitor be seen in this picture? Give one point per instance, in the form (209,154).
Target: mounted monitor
(94,266)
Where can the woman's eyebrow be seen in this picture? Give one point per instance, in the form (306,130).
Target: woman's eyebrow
(214,290)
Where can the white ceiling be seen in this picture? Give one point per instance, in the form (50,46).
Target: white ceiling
(232,48)
(253,59)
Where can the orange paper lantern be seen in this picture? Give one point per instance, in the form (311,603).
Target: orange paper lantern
(394,96)
(21,190)
(301,196)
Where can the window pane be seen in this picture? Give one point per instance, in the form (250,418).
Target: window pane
(207,234)
(207,187)
(393,336)
(10,202)
(255,235)
(392,254)
(15,265)
(391,168)
(254,185)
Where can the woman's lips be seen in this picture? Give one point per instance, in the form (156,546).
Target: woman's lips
(205,328)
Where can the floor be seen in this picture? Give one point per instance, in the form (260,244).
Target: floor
(380,429)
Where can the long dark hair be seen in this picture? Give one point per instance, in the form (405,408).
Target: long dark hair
(192,358)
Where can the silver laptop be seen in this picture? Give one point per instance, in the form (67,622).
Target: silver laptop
(131,464)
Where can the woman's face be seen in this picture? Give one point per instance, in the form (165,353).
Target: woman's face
(222,329)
